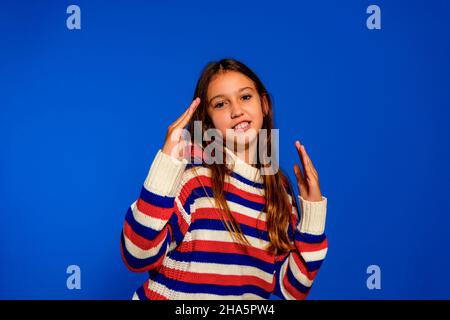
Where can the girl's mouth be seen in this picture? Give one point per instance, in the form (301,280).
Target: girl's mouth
(242,126)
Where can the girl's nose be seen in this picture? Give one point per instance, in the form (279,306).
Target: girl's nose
(236,110)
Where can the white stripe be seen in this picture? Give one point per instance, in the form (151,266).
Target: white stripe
(315,255)
(196,172)
(217,268)
(147,221)
(177,295)
(172,245)
(224,236)
(138,253)
(300,276)
(243,186)
(184,214)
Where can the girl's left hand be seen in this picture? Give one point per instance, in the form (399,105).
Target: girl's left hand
(308,183)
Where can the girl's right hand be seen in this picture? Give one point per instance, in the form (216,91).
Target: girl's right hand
(173,145)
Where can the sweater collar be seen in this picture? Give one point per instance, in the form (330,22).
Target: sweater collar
(241,167)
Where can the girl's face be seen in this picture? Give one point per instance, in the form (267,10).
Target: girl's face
(234,104)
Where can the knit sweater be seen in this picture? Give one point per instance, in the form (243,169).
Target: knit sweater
(174,232)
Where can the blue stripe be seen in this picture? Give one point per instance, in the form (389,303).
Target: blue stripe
(212,288)
(195,194)
(250,204)
(141,293)
(211,224)
(176,232)
(142,263)
(156,199)
(143,231)
(290,232)
(309,238)
(207,192)
(246,181)
(149,233)
(314,265)
(222,258)
(292,280)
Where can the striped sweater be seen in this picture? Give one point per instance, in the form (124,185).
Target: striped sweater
(174,232)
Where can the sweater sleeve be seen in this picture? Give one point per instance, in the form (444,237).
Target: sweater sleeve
(157,221)
(296,270)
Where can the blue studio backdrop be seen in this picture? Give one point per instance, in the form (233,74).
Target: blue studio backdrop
(84,110)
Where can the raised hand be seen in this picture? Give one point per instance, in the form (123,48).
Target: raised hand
(173,145)
(308,183)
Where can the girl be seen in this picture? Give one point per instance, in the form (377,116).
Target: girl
(208,230)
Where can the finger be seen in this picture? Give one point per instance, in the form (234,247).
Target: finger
(303,159)
(187,115)
(299,175)
(310,174)
(177,122)
(313,169)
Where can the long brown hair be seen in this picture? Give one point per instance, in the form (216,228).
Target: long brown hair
(277,205)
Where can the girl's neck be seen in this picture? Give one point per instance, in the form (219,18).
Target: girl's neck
(248,153)
(239,160)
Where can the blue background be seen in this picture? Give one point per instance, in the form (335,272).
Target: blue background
(83,112)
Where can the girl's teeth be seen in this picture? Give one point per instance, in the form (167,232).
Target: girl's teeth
(241,125)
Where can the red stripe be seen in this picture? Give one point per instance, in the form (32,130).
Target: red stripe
(294,220)
(163,213)
(217,279)
(225,247)
(153,210)
(204,181)
(143,269)
(155,295)
(141,242)
(214,214)
(311,247)
(229,187)
(282,256)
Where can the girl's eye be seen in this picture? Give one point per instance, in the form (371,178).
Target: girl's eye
(219,105)
(246,97)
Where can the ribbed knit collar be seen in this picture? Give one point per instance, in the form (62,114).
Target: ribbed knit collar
(243,168)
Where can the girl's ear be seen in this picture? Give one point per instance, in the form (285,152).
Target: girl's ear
(264,104)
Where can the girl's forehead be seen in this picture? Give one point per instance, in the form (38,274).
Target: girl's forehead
(229,82)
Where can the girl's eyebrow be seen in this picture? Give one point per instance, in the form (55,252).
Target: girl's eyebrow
(221,95)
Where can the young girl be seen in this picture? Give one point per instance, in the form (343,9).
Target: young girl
(206,230)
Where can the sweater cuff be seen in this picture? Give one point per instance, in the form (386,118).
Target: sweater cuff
(313,216)
(165,174)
